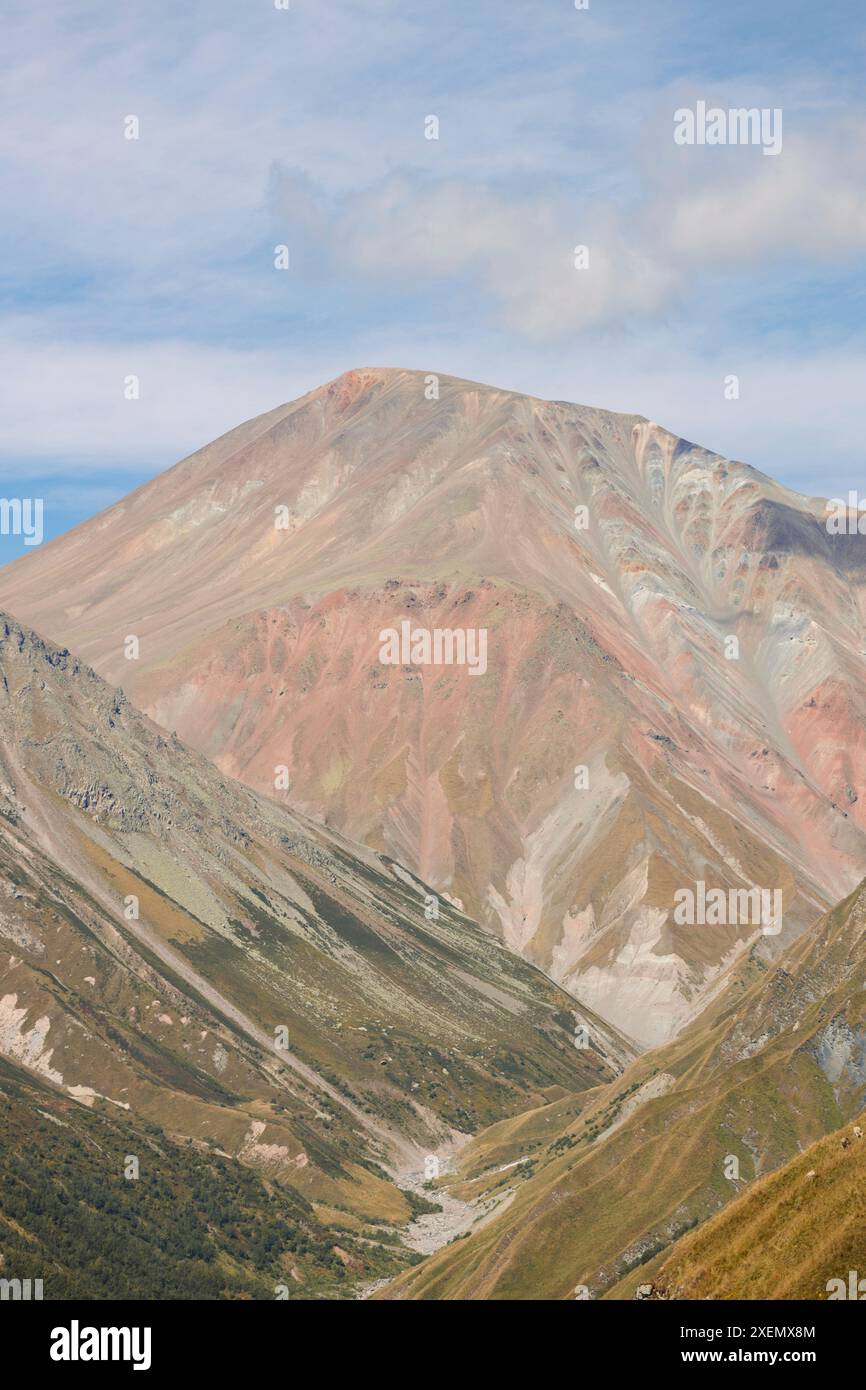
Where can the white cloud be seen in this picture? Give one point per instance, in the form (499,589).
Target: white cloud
(701,210)
(522,252)
(808,202)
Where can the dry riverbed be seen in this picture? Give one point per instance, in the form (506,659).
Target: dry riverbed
(428,1233)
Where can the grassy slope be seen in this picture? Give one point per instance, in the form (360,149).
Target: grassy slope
(784,1238)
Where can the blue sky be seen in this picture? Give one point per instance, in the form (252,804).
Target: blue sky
(260,126)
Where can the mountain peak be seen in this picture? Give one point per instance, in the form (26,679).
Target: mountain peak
(427,381)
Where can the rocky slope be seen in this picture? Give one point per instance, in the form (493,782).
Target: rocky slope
(178,951)
(675,687)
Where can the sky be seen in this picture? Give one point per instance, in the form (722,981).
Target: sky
(154,258)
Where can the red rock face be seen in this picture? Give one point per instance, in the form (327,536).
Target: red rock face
(674,686)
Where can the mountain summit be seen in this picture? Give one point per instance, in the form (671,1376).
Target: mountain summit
(675,663)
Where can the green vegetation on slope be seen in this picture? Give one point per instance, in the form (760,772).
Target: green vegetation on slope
(192,1225)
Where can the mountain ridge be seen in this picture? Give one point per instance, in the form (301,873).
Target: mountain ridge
(608,650)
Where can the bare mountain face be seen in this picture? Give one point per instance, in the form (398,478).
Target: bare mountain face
(675,681)
(177,951)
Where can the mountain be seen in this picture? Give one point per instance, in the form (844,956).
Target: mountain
(797,1234)
(595,1192)
(675,682)
(202,969)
